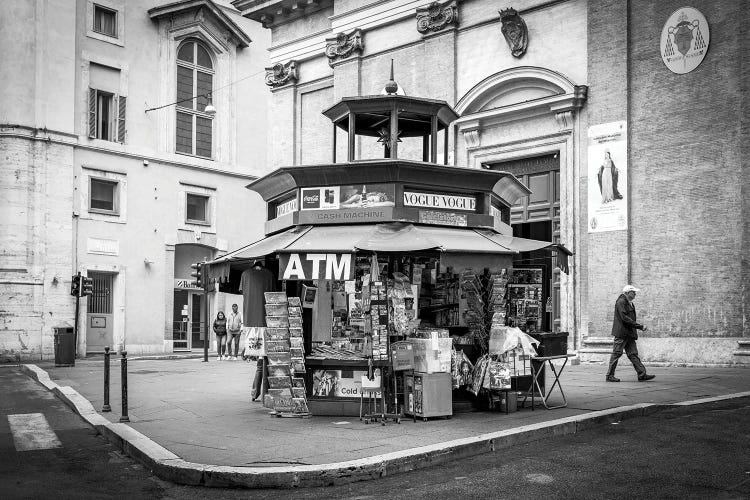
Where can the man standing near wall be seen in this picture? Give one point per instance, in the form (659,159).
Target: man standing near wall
(625,330)
(234,325)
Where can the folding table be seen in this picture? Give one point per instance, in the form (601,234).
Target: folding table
(536,371)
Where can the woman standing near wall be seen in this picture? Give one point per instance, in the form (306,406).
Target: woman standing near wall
(220,329)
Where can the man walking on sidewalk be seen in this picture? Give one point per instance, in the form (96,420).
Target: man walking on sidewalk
(625,330)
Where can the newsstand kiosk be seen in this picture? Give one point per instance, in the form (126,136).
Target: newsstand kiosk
(373,254)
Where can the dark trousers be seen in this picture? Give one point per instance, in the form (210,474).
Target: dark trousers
(626,345)
(260,383)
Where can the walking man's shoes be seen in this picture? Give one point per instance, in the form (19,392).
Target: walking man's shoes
(645,377)
(612,378)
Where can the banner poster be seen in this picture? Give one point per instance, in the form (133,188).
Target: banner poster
(339,383)
(608,177)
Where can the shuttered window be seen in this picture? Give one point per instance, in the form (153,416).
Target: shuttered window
(107,115)
(194,127)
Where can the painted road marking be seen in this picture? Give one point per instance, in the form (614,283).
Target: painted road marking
(31,431)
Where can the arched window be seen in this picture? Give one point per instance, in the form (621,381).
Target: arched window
(194,82)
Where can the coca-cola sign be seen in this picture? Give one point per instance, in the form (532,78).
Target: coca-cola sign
(310,199)
(320,198)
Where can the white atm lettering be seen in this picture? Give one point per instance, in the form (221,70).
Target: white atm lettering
(308,266)
(340,270)
(294,267)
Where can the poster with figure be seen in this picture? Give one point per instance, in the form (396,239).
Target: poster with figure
(608,177)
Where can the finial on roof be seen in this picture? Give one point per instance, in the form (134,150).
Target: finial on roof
(391,87)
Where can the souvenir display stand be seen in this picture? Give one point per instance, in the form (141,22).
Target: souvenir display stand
(384,253)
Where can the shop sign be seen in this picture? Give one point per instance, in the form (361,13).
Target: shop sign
(339,383)
(442,218)
(185,284)
(314,266)
(286,207)
(438,200)
(344,216)
(320,198)
(684,40)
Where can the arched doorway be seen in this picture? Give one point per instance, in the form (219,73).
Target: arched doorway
(524,120)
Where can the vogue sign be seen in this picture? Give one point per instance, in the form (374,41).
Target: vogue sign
(316,266)
(436,200)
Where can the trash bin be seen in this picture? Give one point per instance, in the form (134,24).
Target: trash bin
(65,346)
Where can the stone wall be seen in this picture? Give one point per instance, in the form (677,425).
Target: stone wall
(36,261)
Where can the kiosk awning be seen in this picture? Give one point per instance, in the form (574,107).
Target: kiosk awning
(386,237)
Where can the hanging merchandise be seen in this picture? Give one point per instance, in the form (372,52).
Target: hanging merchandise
(402,304)
(462,369)
(497,376)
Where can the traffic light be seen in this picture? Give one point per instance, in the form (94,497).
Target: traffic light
(87,286)
(197,273)
(75,285)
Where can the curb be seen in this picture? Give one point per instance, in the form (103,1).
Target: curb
(168,466)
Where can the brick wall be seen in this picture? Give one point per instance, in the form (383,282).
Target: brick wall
(686,176)
(606,253)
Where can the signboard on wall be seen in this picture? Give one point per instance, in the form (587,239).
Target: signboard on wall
(684,40)
(442,218)
(286,207)
(608,177)
(349,196)
(344,216)
(185,284)
(320,198)
(314,266)
(440,200)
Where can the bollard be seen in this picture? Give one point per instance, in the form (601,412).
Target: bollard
(124,385)
(106,406)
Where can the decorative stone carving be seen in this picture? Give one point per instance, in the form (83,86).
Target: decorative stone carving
(342,46)
(515,31)
(437,16)
(472,138)
(564,119)
(280,74)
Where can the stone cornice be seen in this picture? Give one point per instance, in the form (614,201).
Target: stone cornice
(224,20)
(555,104)
(80,142)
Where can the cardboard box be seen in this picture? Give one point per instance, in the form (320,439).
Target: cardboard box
(432,355)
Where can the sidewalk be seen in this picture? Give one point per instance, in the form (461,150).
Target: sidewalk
(199,416)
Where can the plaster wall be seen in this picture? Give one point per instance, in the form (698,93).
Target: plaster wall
(36,71)
(47,158)
(157,189)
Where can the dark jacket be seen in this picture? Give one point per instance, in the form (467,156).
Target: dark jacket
(624,324)
(220,326)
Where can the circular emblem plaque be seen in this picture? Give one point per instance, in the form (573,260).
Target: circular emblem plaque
(684,40)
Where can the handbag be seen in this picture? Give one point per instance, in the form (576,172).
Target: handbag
(254,341)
